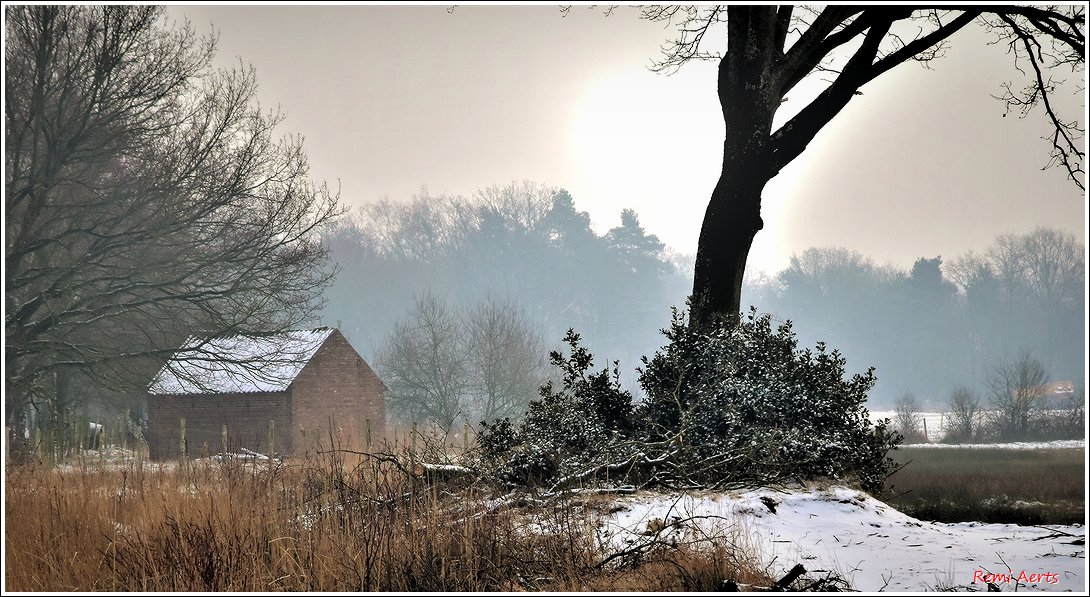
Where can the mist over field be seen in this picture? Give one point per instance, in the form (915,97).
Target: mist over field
(927,327)
(706,339)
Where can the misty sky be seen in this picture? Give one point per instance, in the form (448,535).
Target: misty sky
(391,99)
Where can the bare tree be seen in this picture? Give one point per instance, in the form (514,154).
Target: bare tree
(769,49)
(907,419)
(146,197)
(1055,273)
(443,365)
(1015,389)
(424,364)
(506,360)
(965,414)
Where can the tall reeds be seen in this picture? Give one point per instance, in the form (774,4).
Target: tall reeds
(335,521)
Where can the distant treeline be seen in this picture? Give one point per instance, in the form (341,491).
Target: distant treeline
(940,324)
(523,244)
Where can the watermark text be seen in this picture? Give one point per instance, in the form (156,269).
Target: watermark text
(1021,577)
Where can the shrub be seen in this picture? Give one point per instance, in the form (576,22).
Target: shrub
(748,405)
(738,404)
(585,421)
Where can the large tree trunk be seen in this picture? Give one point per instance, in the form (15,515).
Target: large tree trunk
(749,93)
(730,223)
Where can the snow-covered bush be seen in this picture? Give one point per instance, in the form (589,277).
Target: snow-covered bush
(735,404)
(585,421)
(744,404)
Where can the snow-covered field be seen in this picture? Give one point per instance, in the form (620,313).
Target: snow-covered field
(935,421)
(862,540)
(936,428)
(1052,445)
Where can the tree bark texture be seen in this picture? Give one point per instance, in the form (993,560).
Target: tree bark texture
(749,93)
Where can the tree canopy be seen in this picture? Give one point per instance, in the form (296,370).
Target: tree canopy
(147,197)
(769,50)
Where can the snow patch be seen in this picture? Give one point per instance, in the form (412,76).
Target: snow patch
(864,541)
(1052,445)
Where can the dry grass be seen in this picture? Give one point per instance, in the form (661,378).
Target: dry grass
(314,525)
(990,485)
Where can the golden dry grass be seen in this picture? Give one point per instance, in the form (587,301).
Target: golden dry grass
(314,525)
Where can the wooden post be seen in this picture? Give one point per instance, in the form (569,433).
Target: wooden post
(39,449)
(84,436)
(367,433)
(465,437)
(125,431)
(224,440)
(412,441)
(139,448)
(181,438)
(49,447)
(925,438)
(272,443)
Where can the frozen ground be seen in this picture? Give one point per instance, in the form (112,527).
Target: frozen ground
(866,542)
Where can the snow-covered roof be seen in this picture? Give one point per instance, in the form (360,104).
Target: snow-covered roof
(232,364)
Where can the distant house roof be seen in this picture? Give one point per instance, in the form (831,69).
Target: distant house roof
(233,364)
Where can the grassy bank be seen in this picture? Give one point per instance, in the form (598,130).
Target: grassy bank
(990,485)
(312,526)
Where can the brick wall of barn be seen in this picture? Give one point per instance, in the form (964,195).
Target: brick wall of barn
(246,415)
(337,386)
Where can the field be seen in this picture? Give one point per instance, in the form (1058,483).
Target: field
(344,523)
(1046,486)
(314,526)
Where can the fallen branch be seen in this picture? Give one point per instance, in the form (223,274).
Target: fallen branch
(790,577)
(412,468)
(1058,533)
(639,459)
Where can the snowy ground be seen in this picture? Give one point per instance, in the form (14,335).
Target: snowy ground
(1052,445)
(935,421)
(866,542)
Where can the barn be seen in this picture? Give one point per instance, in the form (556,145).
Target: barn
(310,384)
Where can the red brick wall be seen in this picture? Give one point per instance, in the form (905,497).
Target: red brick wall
(337,385)
(247,418)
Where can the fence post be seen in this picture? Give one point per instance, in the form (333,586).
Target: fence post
(925,437)
(465,437)
(224,440)
(125,431)
(367,433)
(181,438)
(38,448)
(139,448)
(48,447)
(272,443)
(84,435)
